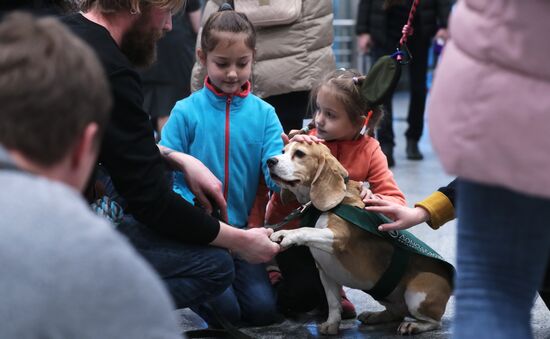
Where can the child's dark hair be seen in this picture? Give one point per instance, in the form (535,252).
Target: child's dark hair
(226,20)
(345,86)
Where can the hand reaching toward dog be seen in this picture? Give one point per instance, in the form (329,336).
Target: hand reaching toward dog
(404,217)
(204,185)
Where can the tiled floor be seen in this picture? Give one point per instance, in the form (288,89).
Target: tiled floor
(417,179)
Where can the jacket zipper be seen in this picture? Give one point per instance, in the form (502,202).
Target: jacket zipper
(227,134)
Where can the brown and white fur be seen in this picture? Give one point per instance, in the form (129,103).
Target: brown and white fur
(347,255)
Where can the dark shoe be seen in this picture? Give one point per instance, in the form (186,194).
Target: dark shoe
(388,152)
(413,153)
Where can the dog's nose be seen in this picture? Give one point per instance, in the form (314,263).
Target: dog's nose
(272,162)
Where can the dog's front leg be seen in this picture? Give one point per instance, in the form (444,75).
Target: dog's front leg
(321,239)
(332,291)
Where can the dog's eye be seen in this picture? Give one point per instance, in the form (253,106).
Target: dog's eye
(283,151)
(299,154)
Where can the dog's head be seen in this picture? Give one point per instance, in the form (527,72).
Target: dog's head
(311,173)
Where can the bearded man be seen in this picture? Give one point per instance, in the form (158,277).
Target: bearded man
(173,235)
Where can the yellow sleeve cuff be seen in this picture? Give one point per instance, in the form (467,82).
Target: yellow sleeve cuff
(440,208)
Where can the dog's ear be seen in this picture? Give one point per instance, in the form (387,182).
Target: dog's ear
(287,196)
(328,187)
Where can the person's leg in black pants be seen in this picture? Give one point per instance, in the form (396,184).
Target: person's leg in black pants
(291,108)
(385,134)
(419,47)
(301,289)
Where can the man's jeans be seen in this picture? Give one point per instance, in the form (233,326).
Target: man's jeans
(503,246)
(250,301)
(193,274)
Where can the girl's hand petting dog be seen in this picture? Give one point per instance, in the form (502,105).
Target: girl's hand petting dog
(404,217)
(310,139)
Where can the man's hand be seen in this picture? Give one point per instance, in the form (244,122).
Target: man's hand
(252,245)
(404,217)
(364,43)
(204,185)
(259,248)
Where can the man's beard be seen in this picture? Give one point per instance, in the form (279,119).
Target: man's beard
(139,44)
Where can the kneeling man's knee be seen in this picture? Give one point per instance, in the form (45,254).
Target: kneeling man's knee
(221,272)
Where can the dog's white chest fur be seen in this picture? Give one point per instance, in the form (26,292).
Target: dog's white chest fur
(329,263)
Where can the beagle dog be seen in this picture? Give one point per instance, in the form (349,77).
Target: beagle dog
(347,255)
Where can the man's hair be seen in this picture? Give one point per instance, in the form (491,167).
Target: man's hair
(51,87)
(112,6)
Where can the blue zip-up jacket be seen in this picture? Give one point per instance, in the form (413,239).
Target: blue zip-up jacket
(233,135)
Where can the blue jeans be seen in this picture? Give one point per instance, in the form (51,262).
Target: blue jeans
(250,301)
(193,274)
(502,251)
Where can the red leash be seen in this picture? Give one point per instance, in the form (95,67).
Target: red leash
(407,31)
(408,28)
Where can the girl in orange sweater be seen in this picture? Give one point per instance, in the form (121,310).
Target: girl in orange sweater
(346,124)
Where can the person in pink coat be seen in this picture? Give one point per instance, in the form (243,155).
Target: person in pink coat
(489,117)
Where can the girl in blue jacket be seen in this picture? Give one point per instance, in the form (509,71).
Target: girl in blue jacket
(233,133)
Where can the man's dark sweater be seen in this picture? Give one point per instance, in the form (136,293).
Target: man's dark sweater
(129,152)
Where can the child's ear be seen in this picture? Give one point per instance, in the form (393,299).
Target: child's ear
(201,56)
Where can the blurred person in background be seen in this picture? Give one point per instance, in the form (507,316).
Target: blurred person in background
(379,28)
(39,7)
(489,125)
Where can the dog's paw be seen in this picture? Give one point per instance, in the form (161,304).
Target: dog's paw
(409,327)
(285,238)
(277,236)
(282,237)
(329,328)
